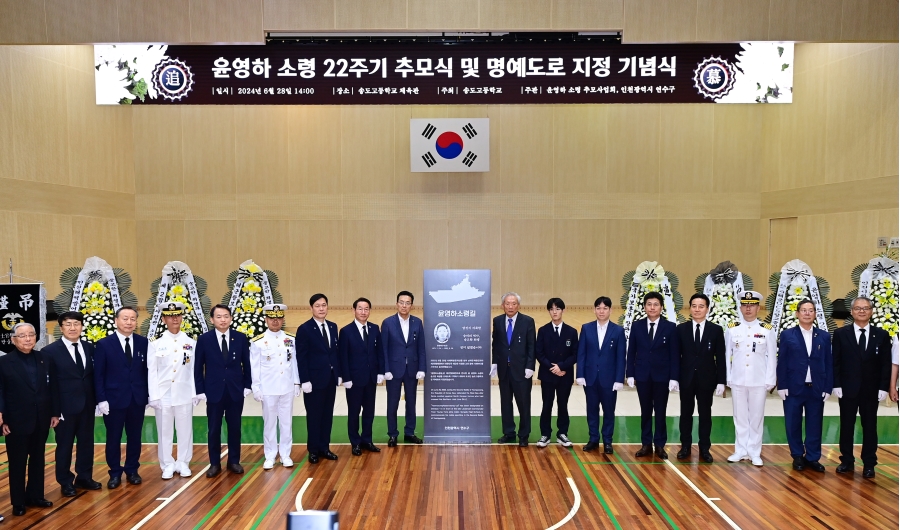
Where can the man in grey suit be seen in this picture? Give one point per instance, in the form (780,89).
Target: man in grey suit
(512,358)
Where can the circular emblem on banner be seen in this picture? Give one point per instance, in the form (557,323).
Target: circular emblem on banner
(173,79)
(442,333)
(714,77)
(449,145)
(11,319)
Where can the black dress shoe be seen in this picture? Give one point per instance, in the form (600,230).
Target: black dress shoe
(845,468)
(392,441)
(523,442)
(799,464)
(506,439)
(683,453)
(607,449)
(815,466)
(68,490)
(661,453)
(590,446)
(237,469)
(868,472)
(213,471)
(133,478)
(356,450)
(370,447)
(328,455)
(19,509)
(114,482)
(313,458)
(412,439)
(87,484)
(706,457)
(645,450)
(39,503)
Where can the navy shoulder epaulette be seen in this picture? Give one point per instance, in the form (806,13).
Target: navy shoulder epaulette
(767,326)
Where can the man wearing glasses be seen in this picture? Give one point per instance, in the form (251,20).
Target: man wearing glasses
(862,372)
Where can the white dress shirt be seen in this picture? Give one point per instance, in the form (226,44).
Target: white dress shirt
(601,332)
(404,326)
(70,346)
(360,326)
(506,321)
(327,331)
(807,338)
(655,326)
(694,327)
(122,341)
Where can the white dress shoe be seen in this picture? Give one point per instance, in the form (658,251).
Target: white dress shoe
(757,461)
(268,464)
(736,457)
(168,471)
(183,469)
(286,461)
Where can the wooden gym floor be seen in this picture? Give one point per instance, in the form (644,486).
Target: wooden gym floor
(472,487)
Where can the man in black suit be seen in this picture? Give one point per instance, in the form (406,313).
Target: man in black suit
(512,354)
(702,347)
(557,350)
(73,361)
(862,373)
(28,410)
(362,366)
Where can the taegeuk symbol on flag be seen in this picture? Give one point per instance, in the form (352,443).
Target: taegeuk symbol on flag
(449,145)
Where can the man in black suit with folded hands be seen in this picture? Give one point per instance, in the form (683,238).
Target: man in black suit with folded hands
(512,354)
(73,362)
(362,366)
(862,373)
(701,344)
(556,350)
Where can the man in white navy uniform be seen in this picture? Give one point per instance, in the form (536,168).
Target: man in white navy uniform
(276,382)
(170,383)
(750,357)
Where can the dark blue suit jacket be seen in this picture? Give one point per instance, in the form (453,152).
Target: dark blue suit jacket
(561,350)
(793,361)
(114,380)
(657,361)
(317,361)
(360,362)
(602,364)
(400,355)
(213,376)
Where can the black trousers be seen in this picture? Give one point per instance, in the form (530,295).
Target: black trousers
(231,410)
(704,398)
(653,397)
(73,427)
(131,420)
(319,417)
(868,415)
(26,452)
(360,397)
(560,388)
(521,390)
(409,384)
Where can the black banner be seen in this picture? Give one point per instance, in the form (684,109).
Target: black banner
(22,302)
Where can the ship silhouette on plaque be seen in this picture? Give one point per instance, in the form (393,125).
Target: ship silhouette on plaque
(459,292)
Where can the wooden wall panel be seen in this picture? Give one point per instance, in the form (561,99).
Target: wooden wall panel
(317,261)
(227,21)
(441,15)
(159,21)
(634,241)
(501,14)
(22,21)
(7,124)
(80,21)
(732,20)
(367,150)
(524,269)
(579,149)
(314,156)
(9,238)
(475,244)
(737,148)
(686,132)
(353,14)
(158,147)
(38,197)
(293,15)
(370,261)
(268,244)
(127,258)
(526,163)
(208,136)
(652,21)
(805,20)
(94,236)
(159,243)
(633,150)
(580,264)
(782,243)
(863,20)
(685,248)
(261,147)
(582,14)
(420,245)
(889,140)
(45,248)
(877,193)
(736,240)
(211,252)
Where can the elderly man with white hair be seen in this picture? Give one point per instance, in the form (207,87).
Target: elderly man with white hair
(512,358)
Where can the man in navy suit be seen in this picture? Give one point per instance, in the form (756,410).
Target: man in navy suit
(601,372)
(320,374)
(556,350)
(223,379)
(653,364)
(362,366)
(702,373)
(512,354)
(120,384)
(805,380)
(862,374)
(403,343)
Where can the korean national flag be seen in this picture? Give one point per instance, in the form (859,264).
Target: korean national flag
(449,145)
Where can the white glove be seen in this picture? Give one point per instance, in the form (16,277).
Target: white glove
(493,371)
(296,390)
(247,392)
(97,411)
(720,389)
(630,382)
(581,381)
(155,404)
(825,396)
(306,387)
(783,393)
(839,392)
(728,383)
(673,385)
(420,375)
(768,387)
(348,384)
(257,395)
(881,395)
(103,407)
(388,376)
(198,398)
(379,379)
(528,373)
(617,387)
(340,381)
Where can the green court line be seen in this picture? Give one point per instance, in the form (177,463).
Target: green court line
(596,491)
(229,494)
(279,494)
(647,493)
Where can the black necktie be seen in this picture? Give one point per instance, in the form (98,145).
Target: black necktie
(557,330)
(651,330)
(365,334)
(128,350)
(325,335)
(862,341)
(697,336)
(224,348)
(78,360)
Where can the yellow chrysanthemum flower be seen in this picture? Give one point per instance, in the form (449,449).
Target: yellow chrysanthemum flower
(254,268)
(251,286)
(248,304)
(177,290)
(95,333)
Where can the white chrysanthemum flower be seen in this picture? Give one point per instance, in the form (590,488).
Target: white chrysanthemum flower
(111,85)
